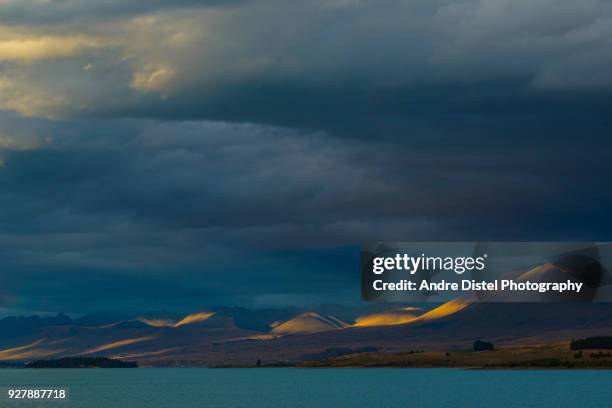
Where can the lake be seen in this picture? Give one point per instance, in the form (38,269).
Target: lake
(289,387)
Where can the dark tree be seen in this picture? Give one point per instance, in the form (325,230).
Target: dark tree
(82,362)
(599,342)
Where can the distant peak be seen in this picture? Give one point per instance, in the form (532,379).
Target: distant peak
(309,322)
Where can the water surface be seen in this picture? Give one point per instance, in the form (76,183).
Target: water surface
(338,388)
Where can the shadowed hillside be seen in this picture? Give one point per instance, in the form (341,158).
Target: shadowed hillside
(214,338)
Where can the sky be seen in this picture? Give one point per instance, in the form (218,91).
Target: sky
(184,154)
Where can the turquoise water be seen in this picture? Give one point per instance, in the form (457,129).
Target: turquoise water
(338,388)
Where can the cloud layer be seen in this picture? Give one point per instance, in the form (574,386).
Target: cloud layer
(196,152)
(194,213)
(245,60)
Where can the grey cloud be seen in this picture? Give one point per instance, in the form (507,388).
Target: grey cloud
(19,12)
(223,213)
(328,65)
(248,182)
(274,137)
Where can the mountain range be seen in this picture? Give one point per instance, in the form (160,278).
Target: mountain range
(239,336)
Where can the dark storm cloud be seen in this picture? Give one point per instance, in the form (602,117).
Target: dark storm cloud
(414,112)
(216,175)
(187,214)
(254,279)
(275,136)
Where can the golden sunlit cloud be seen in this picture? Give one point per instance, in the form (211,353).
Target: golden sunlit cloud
(152,78)
(29,100)
(31,49)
